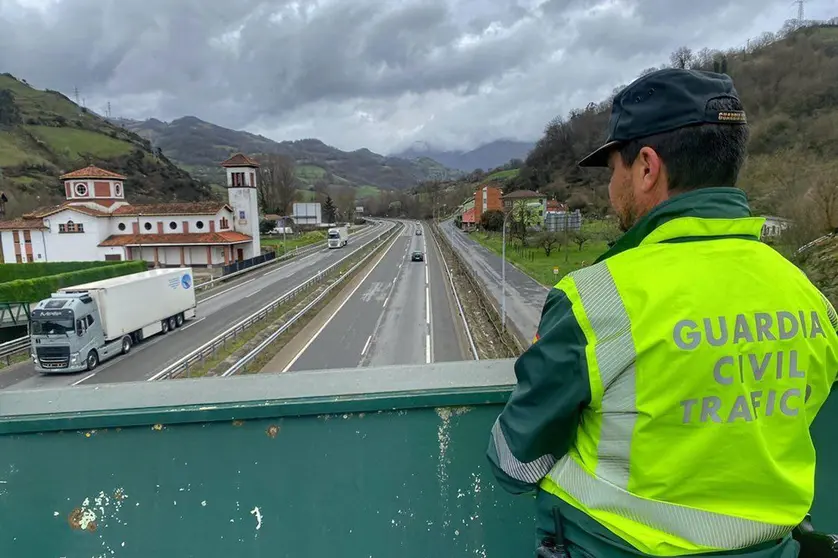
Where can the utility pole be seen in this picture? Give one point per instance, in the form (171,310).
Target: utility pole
(800,14)
(76,95)
(109,109)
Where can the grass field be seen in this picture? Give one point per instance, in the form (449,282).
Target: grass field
(503,175)
(72,142)
(533,261)
(366,191)
(309,173)
(295,241)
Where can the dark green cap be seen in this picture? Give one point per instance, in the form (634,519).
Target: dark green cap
(663,101)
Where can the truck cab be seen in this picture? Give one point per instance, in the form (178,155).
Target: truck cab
(338,237)
(65,331)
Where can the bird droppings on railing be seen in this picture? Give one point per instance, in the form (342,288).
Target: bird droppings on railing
(158,427)
(96,515)
(272,431)
(443,435)
(238,422)
(258,515)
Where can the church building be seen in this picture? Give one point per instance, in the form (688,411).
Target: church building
(96,223)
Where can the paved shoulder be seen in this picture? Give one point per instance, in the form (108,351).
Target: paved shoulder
(524,295)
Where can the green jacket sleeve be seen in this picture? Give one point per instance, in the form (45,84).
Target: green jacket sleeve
(538,424)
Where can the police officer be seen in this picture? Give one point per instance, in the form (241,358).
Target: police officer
(664,406)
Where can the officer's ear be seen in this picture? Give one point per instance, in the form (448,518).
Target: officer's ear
(650,174)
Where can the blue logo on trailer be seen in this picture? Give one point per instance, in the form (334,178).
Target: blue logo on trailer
(186,281)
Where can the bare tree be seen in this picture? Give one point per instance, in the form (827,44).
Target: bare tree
(277,184)
(824,193)
(344,198)
(681,58)
(548,241)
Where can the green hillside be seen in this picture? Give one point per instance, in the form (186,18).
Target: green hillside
(197,146)
(43,135)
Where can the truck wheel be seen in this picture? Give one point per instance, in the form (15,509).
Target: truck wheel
(92,360)
(172,323)
(126,344)
(179,320)
(165,325)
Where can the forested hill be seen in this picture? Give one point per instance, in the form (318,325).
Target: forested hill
(788,82)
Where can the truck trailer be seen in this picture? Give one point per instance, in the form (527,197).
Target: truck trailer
(79,327)
(338,236)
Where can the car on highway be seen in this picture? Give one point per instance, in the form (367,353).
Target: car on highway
(418,232)
(417,256)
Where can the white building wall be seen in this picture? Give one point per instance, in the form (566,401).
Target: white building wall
(72,247)
(178,220)
(8,240)
(246,217)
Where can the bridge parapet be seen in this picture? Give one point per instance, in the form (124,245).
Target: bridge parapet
(361,462)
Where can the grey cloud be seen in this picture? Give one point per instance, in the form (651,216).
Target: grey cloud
(308,67)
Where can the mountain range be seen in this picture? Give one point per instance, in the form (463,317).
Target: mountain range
(485,157)
(43,134)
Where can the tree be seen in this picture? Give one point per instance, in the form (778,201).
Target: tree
(682,58)
(344,198)
(579,238)
(277,183)
(492,220)
(9,111)
(329,210)
(266,226)
(824,193)
(548,241)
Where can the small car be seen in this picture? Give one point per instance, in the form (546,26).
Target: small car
(417,256)
(418,232)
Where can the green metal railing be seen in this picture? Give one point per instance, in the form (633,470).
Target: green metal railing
(351,463)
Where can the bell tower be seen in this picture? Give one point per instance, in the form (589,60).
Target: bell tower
(244,199)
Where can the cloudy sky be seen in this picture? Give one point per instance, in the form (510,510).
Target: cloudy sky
(380,74)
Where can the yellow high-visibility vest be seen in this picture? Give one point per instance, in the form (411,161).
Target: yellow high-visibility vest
(708,361)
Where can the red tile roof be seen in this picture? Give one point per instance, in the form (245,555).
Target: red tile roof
(21,224)
(182,208)
(468,216)
(92,172)
(47,211)
(176,239)
(240,160)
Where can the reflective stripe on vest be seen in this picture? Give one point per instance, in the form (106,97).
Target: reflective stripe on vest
(595,474)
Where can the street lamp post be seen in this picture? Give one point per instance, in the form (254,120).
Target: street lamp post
(140,236)
(503,272)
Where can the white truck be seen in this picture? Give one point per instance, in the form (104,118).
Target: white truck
(338,236)
(79,327)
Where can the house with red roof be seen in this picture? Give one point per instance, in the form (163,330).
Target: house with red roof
(95,222)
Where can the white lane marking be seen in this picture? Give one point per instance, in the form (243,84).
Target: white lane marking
(193,322)
(427,277)
(385,301)
(366,345)
(227,290)
(83,379)
(252,294)
(283,267)
(427,348)
(428,305)
(335,313)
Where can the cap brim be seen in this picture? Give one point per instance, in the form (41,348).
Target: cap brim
(599,158)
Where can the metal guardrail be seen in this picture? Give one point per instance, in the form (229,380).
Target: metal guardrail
(210,347)
(434,233)
(13,347)
(304,251)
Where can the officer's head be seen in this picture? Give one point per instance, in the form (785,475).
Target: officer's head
(670,132)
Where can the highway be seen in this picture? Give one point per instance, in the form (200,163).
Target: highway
(524,295)
(217,310)
(400,312)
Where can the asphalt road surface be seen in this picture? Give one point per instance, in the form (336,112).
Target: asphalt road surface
(402,312)
(216,312)
(524,295)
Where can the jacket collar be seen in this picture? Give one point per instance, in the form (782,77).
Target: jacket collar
(706,212)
